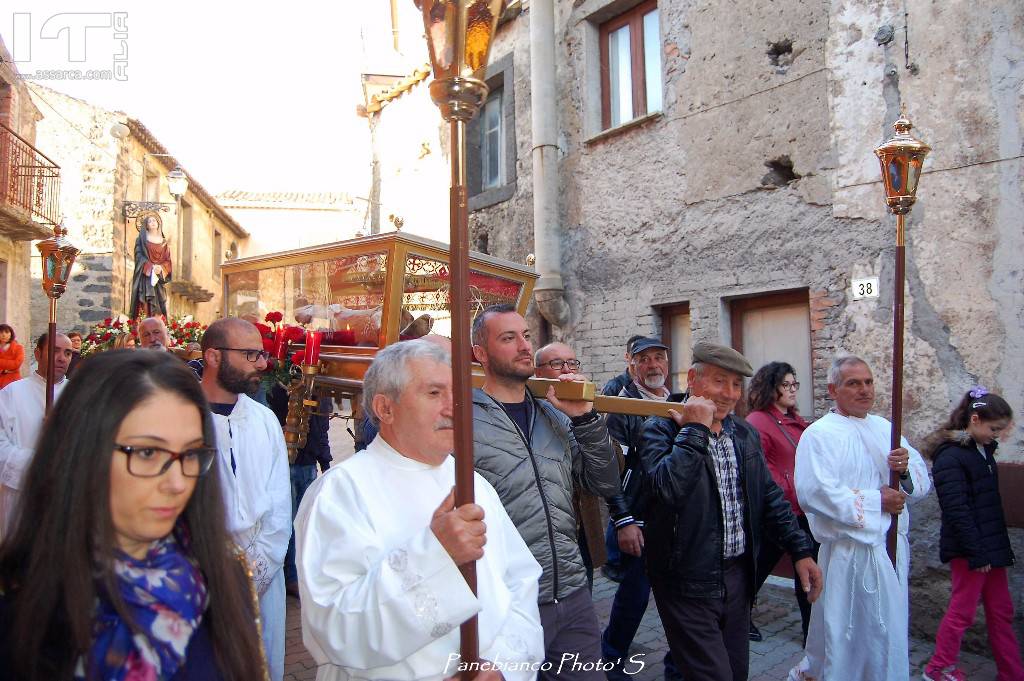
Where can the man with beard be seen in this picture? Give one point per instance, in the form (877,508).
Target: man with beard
(153,334)
(253,468)
(531,451)
(649,367)
(615,386)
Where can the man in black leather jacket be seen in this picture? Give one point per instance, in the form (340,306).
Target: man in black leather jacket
(711,501)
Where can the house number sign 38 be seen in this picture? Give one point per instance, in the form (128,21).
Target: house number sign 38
(865,288)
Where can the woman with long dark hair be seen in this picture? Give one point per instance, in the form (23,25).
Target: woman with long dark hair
(773,412)
(118,565)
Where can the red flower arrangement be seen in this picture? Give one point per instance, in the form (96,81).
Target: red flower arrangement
(276,338)
(103,335)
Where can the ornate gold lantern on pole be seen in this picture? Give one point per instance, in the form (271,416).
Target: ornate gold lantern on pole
(58,256)
(901,157)
(459,35)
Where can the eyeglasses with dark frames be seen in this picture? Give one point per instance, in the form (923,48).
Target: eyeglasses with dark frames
(152,462)
(787,385)
(250,355)
(557,364)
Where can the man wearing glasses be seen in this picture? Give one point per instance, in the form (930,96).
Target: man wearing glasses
(553,360)
(253,468)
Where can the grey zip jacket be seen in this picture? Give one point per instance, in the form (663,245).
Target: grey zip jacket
(535,480)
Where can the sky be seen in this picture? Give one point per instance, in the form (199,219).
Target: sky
(257,96)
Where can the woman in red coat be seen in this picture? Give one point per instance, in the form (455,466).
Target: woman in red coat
(12,355)
(773,412)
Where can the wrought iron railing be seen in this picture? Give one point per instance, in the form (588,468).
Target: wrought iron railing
(29,181)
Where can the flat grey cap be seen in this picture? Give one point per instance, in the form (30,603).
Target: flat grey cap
(722,356)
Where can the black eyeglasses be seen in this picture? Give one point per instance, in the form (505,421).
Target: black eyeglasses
(786,385)
(573,364)
(250,355)
(152,462)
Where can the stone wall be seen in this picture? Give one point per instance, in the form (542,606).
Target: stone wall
(101,173)
(76,136)
(758,176)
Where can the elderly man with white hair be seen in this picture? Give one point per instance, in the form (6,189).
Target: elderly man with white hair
(379,542)
(858,629)
(153,334)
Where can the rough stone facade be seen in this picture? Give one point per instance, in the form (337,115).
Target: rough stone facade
(19,114)
(102,173)
(757,176)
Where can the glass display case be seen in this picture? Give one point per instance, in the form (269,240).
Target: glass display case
(367,292)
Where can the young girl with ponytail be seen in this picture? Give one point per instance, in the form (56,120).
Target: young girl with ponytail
(973,537)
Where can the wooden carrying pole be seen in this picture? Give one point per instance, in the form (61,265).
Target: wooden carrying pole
(51,347)
(899,282)
(462,362)
(459,34)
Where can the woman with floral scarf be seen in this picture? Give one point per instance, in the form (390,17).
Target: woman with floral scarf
(118,565)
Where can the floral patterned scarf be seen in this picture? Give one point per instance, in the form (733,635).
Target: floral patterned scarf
(167,597)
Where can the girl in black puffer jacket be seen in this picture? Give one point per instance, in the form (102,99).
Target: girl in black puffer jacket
(973,538)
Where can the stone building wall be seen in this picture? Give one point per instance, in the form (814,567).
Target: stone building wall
(757,176)
(19,114)
(77,137)
(100,174)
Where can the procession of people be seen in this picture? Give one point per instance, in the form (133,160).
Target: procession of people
(145,519)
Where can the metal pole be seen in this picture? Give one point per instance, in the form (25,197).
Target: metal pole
(897,374)
(462,362)
(51,346)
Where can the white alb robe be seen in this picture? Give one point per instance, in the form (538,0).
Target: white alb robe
(858,627)
(22,408)
(382,599)
(258,500)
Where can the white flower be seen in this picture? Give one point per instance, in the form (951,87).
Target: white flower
(169,626)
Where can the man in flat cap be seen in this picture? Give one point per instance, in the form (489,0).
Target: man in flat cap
(712,502)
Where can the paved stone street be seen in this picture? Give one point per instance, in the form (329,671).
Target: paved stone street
(776,615)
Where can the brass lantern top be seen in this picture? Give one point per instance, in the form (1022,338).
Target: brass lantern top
(58,256)
(901,158)
(459,37)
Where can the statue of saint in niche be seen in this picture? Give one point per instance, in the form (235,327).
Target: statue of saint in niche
(152,268)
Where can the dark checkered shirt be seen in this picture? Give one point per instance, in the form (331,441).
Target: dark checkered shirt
(723,455)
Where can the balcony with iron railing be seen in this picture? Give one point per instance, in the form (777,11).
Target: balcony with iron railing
(29,189)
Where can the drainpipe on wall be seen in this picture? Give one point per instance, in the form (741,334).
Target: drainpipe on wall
(549,292)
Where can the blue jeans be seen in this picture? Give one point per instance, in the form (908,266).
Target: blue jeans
(628,608)
(302,477)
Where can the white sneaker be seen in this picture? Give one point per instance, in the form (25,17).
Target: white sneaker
(947,674)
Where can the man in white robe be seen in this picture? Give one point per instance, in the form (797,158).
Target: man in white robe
(858,628)
(254,471)
(379,543)
(22,408)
